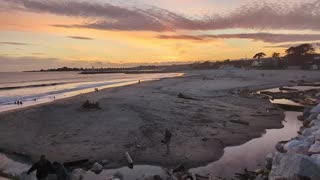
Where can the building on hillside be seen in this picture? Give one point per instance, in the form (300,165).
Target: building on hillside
(269,63)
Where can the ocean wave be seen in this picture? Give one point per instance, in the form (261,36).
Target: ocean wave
(30,86)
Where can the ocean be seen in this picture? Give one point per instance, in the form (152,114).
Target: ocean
(33,88)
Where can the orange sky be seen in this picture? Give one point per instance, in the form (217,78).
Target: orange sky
(31,31)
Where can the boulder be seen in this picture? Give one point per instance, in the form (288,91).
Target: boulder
(306,122)
(105,162)
(268,160)
(306,112)
(77,174)
(314,123)
(311,117)
(293,166)
(315,148)
(302,128)
(309,131)
(316,158)
(309,139)
(280,146)
(316,109)
(296,146)
(318,117)
(97,168)
(90,176)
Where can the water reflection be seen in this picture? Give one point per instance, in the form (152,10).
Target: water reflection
(251,154)
(9,166)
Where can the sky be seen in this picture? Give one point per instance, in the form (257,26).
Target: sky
(41,34)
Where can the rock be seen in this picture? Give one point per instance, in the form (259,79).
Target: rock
(306,112)
(91,176)
(96,168)
(259,177)
(314,123)
(306,122)
(280,147)
(313,116)
(157,177)
(309,131)
(291,166)
(310,139)
(77,174)
(316,109)
(105,162)
(268,160)
(296,146)
(318,117)
(315,148)
(302,129)
(316,158)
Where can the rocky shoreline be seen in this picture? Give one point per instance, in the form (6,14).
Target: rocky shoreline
(299,158)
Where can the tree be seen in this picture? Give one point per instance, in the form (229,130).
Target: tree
(300,55)
(275,55)
(259,55)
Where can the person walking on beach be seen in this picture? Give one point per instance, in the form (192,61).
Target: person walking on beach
(43,167)
(167,140)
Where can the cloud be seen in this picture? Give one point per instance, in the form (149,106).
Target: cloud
(80,38)
(14,43)
(265,37)
(181,37)
(105,16)
(315,44)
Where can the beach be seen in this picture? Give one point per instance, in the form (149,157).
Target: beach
(217,110)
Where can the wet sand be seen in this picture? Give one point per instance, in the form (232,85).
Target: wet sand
(138,115)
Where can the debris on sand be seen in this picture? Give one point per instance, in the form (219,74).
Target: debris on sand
(240,122)
(76,163)
(309,84)
(97,168)
(182,96)
(90,105)
(129,160)
(287,89)
(305,97)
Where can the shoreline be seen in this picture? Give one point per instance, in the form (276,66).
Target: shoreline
(148,121)
(48,99)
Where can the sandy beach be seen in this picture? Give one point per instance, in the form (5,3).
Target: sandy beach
(133,118)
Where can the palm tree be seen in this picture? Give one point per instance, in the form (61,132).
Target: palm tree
(259,55)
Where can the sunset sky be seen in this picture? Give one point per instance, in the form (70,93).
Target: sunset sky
(39,34)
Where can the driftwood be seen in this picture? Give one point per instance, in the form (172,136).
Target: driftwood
(289,107)
(90,105)
(200,177)
(76,163)
(240,122)
(309,84)
(281,95)
(287,89)
(182,96)
(129,160)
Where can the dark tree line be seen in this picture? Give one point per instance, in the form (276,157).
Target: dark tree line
(302,55)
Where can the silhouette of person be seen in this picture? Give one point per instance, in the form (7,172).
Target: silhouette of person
(167,139)
(60,171)
(43,167)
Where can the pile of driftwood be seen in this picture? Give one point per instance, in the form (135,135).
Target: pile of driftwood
(307,98)
(90,105)
(252,175)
